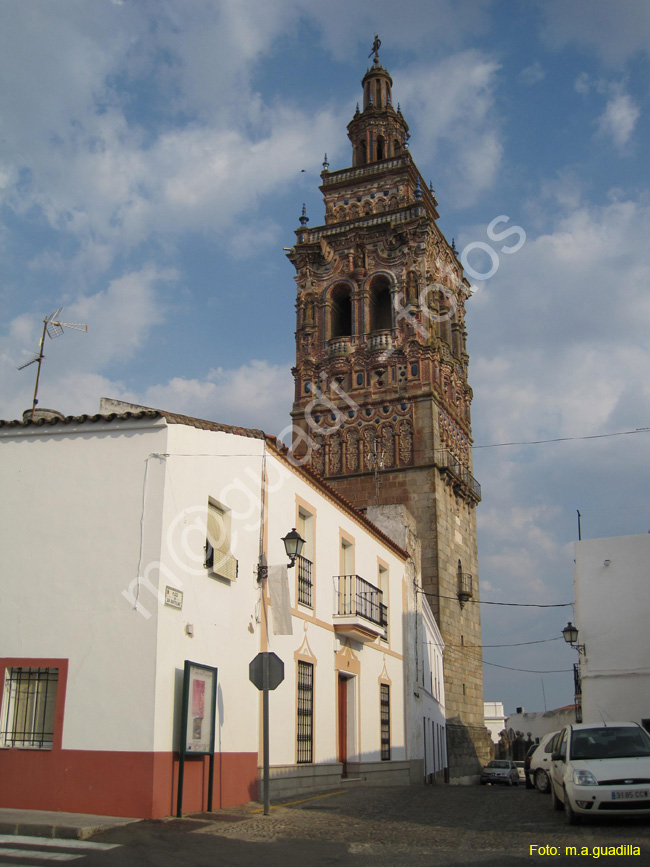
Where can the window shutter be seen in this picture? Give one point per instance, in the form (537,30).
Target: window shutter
(218,538)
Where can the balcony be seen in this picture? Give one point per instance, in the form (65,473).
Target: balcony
(380,340)
(359,612)
(460,476)
(464,588)
(339,346)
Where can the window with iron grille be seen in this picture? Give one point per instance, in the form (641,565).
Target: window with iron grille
(305,584)
(385,721)
(28,703)
(305,712)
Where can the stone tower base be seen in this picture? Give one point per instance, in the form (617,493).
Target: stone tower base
(468,749)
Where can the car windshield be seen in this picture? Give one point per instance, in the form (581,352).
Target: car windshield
(499,765)
(610,742)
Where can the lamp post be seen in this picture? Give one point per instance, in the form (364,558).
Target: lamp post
(293,543)
(570,633)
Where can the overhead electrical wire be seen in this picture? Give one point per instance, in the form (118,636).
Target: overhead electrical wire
(620,433)
(511,604)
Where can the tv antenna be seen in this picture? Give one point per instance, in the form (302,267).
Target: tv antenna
(53,327)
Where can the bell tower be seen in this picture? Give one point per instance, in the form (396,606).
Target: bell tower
(382,400)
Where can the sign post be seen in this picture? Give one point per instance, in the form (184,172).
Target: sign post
(198,717)
(266,672)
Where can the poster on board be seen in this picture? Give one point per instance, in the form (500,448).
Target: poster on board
(199,705)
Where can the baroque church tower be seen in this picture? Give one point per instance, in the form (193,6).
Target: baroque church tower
(382,399)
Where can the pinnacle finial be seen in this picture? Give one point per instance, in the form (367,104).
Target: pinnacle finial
(326,164)
(304,219)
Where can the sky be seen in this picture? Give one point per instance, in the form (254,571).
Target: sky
(154,160)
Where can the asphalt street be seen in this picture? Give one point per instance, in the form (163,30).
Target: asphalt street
(359,827)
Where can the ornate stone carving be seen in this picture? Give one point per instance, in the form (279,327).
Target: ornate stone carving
(318,455)
(352,450)
(388,445)
(335,454)
(405,442)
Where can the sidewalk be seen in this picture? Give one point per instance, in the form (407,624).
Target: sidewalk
(67,826)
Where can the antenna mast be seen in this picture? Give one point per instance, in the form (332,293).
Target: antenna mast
(53,328)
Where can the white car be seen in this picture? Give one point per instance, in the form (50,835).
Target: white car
(500,771)
(601,769)
(540,762)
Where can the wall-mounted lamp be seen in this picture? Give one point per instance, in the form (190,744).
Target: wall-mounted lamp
(293,543)
(570,633)
(607,563)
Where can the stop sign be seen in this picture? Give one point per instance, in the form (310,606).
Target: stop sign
(266,671)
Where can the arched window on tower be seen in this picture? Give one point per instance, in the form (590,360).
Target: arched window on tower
(381,306)
(381,147)
(378,102)
(397,147)
(341,321)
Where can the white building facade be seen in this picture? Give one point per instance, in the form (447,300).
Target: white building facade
(133,543)
(612,595)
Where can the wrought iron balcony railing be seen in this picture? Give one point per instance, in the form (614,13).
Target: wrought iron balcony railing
(356,597)
(449,462)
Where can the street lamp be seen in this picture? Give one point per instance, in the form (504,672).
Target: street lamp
(293,543)
(570,633)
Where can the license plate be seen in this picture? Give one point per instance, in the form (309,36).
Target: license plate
(629,795)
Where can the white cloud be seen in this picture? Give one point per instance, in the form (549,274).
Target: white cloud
(619,119)
(463,119)
(257,394)
(614,31)
(532,74)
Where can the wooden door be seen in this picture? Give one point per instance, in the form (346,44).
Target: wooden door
(343,724)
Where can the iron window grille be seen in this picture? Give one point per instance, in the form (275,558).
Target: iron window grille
(305,712)
(29,702)
(385,721)
(305,584)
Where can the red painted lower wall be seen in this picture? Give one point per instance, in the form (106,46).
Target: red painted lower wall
(140,785)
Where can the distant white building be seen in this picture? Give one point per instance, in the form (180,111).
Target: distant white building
(132,544)
(612,594)
(541,722)
(495,719)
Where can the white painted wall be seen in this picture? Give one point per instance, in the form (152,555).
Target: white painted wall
(71,507)
(495,719)
(313,629)
(612,615)
(93,507)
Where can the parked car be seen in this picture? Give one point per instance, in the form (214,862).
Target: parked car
(601,769)
(521,771)
(500,771)
(540,762)
(529,779)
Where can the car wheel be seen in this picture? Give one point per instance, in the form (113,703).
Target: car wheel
(557,803)
(571,817)
(542,781)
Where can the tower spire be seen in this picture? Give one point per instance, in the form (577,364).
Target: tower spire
(378,132)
